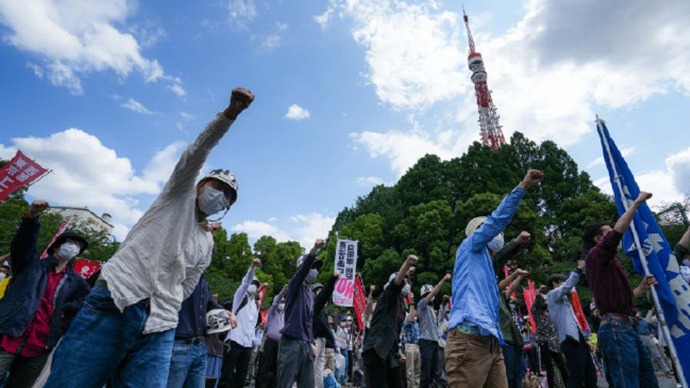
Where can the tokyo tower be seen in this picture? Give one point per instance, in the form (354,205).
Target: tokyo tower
(489,127)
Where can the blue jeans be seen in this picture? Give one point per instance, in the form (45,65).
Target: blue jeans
(626,358)
(515,364)
(188,365)
(103,343)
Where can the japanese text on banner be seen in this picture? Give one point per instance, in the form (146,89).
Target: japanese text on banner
(346,264)
(17,173)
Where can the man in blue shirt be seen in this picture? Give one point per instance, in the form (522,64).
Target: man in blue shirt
(473,353)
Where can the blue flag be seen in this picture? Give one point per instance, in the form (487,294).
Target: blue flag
(673,291)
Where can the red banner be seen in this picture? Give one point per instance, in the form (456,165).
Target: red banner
(55,236)
(579,313)
(17,173)
(530,293)
(86,268)
(264,317)
(262,294)
(359,301)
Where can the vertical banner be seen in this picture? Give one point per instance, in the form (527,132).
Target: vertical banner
(262,294)
(345,263)
(61,229)
(530,293)
(86,268)
(359,302)
(579,313)
(17,173)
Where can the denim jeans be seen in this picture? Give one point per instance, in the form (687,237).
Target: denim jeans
(188,365)
(515,364)
(626,358)
(103,343)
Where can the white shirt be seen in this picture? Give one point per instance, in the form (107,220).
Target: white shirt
(244,333)
(165,253)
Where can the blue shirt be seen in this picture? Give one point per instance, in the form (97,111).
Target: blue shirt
(192,316)
(411,330)
(299,304)
(475,292)
(561,310)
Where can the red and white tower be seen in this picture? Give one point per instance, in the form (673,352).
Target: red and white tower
(489,127)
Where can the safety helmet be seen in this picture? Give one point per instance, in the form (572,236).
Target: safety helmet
(426,289)
(224,176)
(473,225)
(217,321)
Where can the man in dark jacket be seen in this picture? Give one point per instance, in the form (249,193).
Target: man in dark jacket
(381,353)
(42,293)
(323,337)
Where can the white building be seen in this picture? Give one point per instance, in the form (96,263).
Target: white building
(81,216)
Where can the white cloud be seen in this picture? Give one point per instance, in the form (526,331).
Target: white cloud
(679,166)
(87,173)
(178,89)
(369,181)
(305,228)
(296,112)
(136,106)
(74,38)
(549,73)
(241,11)
(325,17)
(627,151)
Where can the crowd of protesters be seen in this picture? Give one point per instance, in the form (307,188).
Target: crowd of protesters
(148,318)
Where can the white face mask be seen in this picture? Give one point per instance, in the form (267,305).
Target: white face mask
(406,289)
(212,201)
(313,273)
(2,276)
(67,251)
(251,290)
(281,306)
(686,262)
(496,244)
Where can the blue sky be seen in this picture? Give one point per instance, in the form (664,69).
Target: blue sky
(349,94)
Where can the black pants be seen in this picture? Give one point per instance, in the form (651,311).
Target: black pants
(235,366)
(268,365)
(580,363)
(428,352)
(381,373)
(23,370)
(550,358)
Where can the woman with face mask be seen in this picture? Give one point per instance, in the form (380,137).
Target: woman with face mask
(30,326)
(268,358)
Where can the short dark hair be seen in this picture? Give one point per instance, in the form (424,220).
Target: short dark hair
(592,230)
(555,278)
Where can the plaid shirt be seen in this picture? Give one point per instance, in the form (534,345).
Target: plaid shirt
(411,330)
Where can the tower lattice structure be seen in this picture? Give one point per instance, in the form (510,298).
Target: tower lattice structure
(489,127)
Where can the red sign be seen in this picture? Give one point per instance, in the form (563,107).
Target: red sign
(86,268)
(530,293)
(359,301)
(17,173)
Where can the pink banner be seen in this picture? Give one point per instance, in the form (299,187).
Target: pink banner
(530,293)
(17,173)
(359,301)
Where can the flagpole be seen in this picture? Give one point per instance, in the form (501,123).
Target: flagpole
(643,258)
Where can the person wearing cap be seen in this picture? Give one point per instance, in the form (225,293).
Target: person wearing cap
(381,352)
(131,313)
(428,333)
(295,356)
(244,306)
(473,353)
(323,338)
(5,277)
(627,360)
(188,363)
(44,293)
(268,358)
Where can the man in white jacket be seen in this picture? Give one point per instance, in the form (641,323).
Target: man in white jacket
(125,331)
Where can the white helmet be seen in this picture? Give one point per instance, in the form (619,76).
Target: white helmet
(426,289)
(217,321)
(226,177)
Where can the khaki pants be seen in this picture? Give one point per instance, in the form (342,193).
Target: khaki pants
(474,361)
(413,365)
(320,362)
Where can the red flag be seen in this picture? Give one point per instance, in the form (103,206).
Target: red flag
(264,317)
(579,313)
(17,173)
(359,301)
(61,229)
(530,293)
(86,268)
(262,293)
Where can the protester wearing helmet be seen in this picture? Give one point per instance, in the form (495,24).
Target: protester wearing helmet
(323,337)
(429,335)
(157,266)
(295,356)
(244,306)
(37,306)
